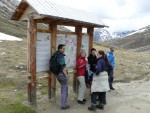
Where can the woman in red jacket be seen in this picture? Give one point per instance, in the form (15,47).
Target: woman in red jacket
(81,71)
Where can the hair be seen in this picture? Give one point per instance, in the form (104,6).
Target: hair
(93,49)
(82,51)
(101,52)
(111,48)
(60,46)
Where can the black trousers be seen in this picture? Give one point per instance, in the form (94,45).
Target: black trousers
(111,77)
(101,96)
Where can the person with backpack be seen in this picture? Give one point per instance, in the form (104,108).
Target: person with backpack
(100,82)
(81,72)
(111,58)
(58,68)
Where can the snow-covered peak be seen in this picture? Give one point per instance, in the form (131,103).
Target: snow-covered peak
(121,34)
(101,35)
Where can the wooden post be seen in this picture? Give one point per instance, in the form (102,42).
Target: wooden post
(32,61)
(78,30)
(90,33)
(52,78)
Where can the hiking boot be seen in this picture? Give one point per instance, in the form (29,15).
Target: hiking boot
(81,102)
(112,88)
(100,106)
(92,108)
(64,108)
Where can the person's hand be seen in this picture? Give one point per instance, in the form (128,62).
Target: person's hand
(67,76)
(86,59)
(96,53)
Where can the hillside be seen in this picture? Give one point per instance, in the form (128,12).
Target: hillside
(136,41)
(13,79)
(8,26)
(15,28)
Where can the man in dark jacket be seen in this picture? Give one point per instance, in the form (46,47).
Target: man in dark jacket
(62,76)
(92,61)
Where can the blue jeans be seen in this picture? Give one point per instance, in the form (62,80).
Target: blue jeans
(63,80)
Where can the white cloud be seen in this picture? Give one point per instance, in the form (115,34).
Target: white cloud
(118,14)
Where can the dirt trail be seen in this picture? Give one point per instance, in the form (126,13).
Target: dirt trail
(133,97)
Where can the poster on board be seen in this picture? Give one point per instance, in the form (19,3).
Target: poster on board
(43,51)
(85,43)
(70,42)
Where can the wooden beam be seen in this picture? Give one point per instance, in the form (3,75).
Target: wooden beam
(78,30)
(44,30)
(65,32)
(45,20)
(52,78)
(32,62)
(58,32)
(20,10)
(90,32)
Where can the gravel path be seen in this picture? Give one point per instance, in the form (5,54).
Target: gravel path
(133,97)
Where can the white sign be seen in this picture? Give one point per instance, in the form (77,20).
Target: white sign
(43,44)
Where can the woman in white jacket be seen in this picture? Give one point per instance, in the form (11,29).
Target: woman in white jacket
(100,82)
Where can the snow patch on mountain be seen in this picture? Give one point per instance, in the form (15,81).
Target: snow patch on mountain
(8,37)
(138,31)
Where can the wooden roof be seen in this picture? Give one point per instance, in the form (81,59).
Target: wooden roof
(51,12)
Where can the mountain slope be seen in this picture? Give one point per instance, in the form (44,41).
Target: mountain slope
(15,28)
(8,26)
(136,41)
(101,35)
(121,34)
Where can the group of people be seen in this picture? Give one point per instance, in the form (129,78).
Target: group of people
(94,72)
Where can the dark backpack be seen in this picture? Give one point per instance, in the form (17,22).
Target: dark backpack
(54,65)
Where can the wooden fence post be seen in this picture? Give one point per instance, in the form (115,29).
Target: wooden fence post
(32,61)
(52,78)
(78,30)
(90,33)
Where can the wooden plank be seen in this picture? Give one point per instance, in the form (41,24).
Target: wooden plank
(58,32)
(45,20)
(32,62)
(64,32)
(78,30)
(52,78)
(44,30)
(90,32)
(20,10)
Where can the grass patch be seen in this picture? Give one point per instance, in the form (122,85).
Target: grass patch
(16,107)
